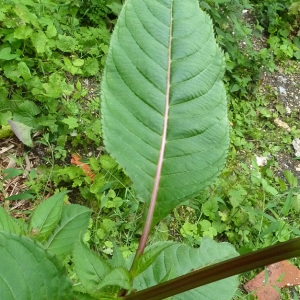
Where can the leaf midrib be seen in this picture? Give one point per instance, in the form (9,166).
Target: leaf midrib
(157,179)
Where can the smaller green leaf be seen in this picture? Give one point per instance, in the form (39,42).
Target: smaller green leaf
(46,216)
(91,66)
(78,62)
(23,32)
(78,86)
(21,196)
(57,86)
(66,43)
(71,122)
(98,183)
(96,274)
(51,31)
(237,195)
(74,220)
(5,131)
(6,55)
(24,70)
(210,208)
(23,12)
(11,72)
(28,109)
(189,229)
(116,277)
(11,172)
(207,229)
(107,162)
(297,54)
(2,16)
(291,178)
(90,268)
(8,223)
(7,115)
(287,204)
(296,202)
(295,8)
(69,67)
(22,132)
(94,164)
(39,41)
(268,188)
(115,7)
(117,260)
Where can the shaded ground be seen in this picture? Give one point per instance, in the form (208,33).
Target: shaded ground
(285,83)
(13,156)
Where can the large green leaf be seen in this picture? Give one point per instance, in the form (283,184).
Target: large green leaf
(28,272)
(74,220)
(179,259)
(164,111)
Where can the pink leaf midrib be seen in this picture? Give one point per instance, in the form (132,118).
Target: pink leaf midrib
(154,194)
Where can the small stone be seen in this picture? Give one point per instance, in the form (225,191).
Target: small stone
(282,124)
(288,110)
(296,145)
(261,160)
(282,90)
(282,79)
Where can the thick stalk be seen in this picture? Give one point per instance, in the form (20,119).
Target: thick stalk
(219,271)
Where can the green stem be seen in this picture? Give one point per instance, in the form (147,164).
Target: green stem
(219,271)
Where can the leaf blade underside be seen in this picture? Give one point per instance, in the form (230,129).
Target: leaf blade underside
(164,110)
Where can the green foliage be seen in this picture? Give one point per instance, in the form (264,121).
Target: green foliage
(244,59)
(248,211)
(295,8)
(42,46)
(234,34)
(281,25)
(94,11)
